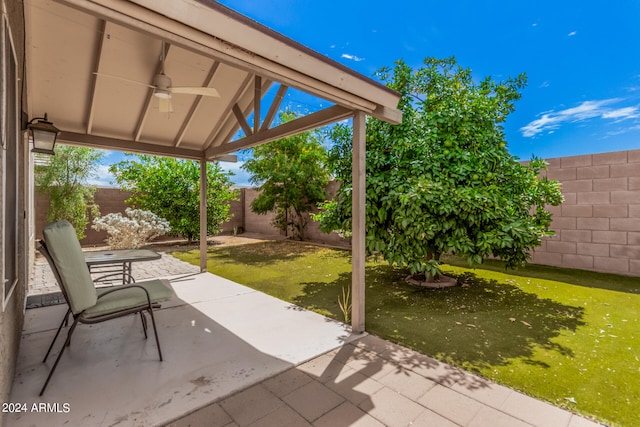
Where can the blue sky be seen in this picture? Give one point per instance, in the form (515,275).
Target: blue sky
(582,58)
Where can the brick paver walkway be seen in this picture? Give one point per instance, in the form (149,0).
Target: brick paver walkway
(44,282)
(373,382)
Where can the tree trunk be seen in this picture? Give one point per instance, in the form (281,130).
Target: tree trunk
(431,278)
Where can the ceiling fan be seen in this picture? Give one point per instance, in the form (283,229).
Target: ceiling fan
(163,88)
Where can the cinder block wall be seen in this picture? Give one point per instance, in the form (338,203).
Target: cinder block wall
(598,225)
(262,223)
(112,200)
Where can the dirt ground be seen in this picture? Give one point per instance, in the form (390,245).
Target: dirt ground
(221,240)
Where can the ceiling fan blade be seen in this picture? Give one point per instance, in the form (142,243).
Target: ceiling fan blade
(203,91)
(124,79)
(164,105)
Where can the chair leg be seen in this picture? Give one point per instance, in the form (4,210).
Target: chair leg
(55,365)
(155,331)
(144,324)
(65,321)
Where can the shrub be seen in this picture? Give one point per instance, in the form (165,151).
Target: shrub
(64,177)
(133,231)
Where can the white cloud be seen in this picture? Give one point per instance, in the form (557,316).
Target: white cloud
(572,33)
(240,177)
(104,178)
(544,85)
(351,57)
(551,120)
(623,131)
(622,113)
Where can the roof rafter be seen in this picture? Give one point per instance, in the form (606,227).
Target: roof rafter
(323,117)
(257,97)
(275,106)
(249,100)
(147,103)
(231,125)
(241,120)
(227,112)
(94,79)
(196,104)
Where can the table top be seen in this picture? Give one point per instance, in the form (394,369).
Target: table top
(119,256)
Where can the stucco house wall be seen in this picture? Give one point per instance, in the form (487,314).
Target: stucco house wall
(12,315)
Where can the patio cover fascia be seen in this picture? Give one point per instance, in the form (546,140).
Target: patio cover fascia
(213,31)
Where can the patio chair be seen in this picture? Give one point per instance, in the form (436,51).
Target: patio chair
(87,304)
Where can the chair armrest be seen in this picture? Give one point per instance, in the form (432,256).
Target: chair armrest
(119,274)
(124,287)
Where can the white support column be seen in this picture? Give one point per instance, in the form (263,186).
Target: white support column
(358,222)
(203,215)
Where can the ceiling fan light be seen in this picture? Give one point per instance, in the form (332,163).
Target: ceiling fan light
(162,93)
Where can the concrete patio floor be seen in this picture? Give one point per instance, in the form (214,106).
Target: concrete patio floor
(217,338)
(237,357)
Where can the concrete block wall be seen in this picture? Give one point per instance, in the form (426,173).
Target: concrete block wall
(598,225)
(111,200)
(262,223)
(236,210)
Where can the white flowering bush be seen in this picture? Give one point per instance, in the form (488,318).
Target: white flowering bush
(132,231)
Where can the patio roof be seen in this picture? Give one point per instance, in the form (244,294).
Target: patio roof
(91,67)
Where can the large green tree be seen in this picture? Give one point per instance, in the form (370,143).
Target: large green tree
(64,177)
(292,178)
(443,180)
(170,188)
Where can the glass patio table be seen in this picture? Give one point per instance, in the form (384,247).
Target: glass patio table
(117,262)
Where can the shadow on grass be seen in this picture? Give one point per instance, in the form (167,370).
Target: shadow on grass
(482,323)
(589,279)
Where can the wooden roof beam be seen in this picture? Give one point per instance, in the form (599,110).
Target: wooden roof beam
(127,145)
(226,115)
(231,126)
(147,103)
(196,105)
(94,77)
(323,117)
(275,106)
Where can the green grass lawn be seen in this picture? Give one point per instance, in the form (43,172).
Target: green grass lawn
(570,337)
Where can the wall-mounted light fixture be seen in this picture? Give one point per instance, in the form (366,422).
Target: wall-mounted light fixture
(43,134)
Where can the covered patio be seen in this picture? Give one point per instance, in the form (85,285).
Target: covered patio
(280,366)
(190,79)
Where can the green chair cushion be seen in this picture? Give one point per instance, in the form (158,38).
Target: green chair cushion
(64,248)
(125,298)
